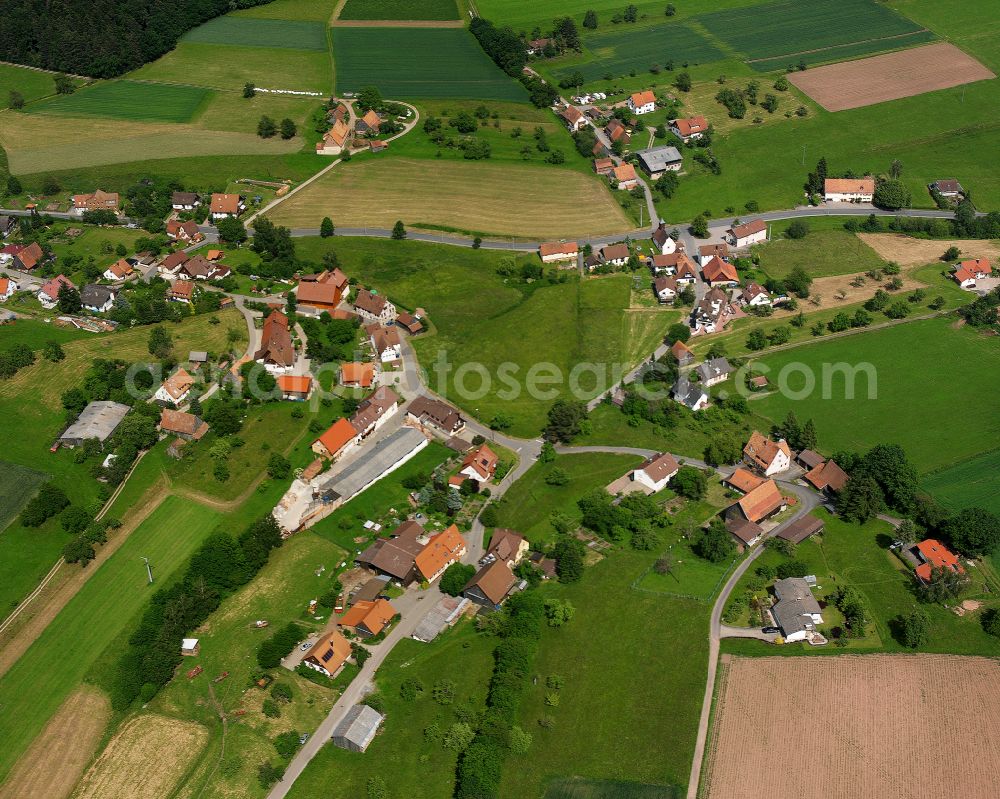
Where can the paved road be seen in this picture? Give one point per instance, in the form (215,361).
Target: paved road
(808,501)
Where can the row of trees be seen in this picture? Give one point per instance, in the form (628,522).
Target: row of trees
(218,568)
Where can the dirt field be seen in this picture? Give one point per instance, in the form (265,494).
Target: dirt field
(53,763)
(853,84)
(144,760)
(862,727)
(483,197)
(907,251)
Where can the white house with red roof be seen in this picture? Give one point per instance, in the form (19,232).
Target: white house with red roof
(479,465)
(968,272)
(752,232)
(656,472)
(689,128)
(755,295)
(849,190)
(7,288)
(642,102)
(769,457)
(573,118)
(624,177)
(48,294)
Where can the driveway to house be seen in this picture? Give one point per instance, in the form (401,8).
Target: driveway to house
(726,631)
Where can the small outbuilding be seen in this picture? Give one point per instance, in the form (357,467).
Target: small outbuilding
(190,647)
(357,729)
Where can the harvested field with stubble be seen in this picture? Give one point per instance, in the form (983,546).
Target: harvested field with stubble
(53,763)
(485,198)
(144,760)
(908,251)
(865,727)
(853,84)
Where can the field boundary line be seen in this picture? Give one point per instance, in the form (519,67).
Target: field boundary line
(835,46)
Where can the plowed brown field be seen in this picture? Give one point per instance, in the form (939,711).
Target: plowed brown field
(856,727)
(852,84)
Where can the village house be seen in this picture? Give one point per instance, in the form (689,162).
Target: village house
(324,291)
(505,545)
(184,200)
(665,289)
(98,201)
(604,166)
(118,271)
(386,342)
(436,415)
(48,294)
(573,119)
(368,124)
(295,387)
(357,375)
(743,481)
(616,131)
(744,517)
(849,190)
(374,307)
(181,291)
(491,585)
(711,314)
(935,555)
(7,288)
(664,264)
(329,654)
(537,46)
(706,252)
(27,258)
(688,128)
(334,139)
(656,471)
(175,389)
(969,271)
(553,251)
(184,231)
(442,550)
(720,273)
(641,102)
(276,352)
(754,295)
(374,411)
(410,323)
(796,610)
(201,268)
(657,160)
(827,477)
(686,272)
(662,240)
(767,456)
(479,465)
(799,530)
(615,254)
(395,556)
(186,426)
(8,251)
(714,371)
(338,439)
(624,177)
(226,205)
(171,264)
(950,188)
(690,395)
(96,298)
(368,618)
(682,353)
(752,232)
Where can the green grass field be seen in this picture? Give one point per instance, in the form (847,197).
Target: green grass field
(970,483)
(128,99)
(35,334)
(845,52)
(31,83)
(400,753)
(564,324)
(419,62)
(924,370)
(617,50)
(228,68)
(95,617)
(319,10)
(399,9)
(284,34)
(17,485)
(821,253)
(526,506)
(786,28)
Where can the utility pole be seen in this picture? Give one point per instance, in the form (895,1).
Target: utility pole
(149,570)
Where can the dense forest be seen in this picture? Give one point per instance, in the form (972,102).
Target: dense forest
(100,38)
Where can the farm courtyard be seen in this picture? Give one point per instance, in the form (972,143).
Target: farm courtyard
(868,727)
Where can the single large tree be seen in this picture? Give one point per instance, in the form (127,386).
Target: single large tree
(565,417)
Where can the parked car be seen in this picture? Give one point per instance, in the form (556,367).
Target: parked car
(770,630)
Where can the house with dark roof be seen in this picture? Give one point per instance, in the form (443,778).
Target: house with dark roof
(184,200)
(754,294)
(665,289)
(752,232)
(691,395)
(357,729)
(425,412)
(655,161)
(663,241)
(712,313)
(491,585)
(374,307)
(396,556)
(717,370)
(795,610)
(800,529)
(506,545)
(706,252)
(949,188)
(374,411)
(97,298)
